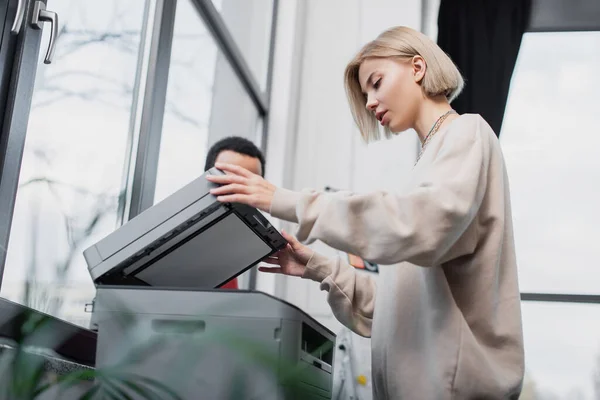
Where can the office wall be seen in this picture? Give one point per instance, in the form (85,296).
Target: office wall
(312,139)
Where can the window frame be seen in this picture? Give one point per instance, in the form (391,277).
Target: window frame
(18,79)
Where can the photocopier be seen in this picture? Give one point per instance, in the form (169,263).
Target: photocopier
(161,316)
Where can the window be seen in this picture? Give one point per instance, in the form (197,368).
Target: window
(249,22)
(76,147)
(205,101)
(562,351)
(188,102)
(93,157)
(550,141)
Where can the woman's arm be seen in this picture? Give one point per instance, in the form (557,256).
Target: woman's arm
(419,227)
(351,295)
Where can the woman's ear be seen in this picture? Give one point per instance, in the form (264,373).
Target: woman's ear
(418,68)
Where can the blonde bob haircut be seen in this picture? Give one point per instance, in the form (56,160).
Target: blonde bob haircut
(441,75)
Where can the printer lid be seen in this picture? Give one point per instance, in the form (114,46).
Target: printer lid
(187,241)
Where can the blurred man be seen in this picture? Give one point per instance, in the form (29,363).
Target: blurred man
(238,151)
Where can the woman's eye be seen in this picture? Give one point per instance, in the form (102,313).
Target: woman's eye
(377,84)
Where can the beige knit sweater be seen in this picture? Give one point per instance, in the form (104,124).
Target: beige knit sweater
(448,325)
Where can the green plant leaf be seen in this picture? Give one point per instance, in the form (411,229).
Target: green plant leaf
(112,384)
(68,381)
(158,385)
(89,395)
(142,391)
(239,384)
(26,372)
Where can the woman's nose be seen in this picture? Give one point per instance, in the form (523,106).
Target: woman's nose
(371,104)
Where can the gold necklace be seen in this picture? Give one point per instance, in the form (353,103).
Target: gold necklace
(433,131)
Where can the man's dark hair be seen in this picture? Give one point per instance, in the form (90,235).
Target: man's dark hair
(237,144)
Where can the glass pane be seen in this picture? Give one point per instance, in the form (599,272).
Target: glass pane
(249,22)
(205,101)
(562,351)
(76,149)
(550,140)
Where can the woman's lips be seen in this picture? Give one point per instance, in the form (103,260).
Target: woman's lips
(383,120)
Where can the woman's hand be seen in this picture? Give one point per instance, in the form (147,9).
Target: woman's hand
(291,260)
(242,186)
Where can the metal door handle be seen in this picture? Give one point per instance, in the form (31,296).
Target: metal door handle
(16,27)
(41,15)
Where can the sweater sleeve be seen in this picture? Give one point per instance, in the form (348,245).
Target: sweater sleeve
(419,226)
(351,295)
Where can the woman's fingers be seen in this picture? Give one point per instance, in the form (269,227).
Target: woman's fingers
(293,242)
(234,188)
(271,270)
(235,169)
(226,179)
(271,260)
(235,198)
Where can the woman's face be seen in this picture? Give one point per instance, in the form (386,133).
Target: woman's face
(392,90)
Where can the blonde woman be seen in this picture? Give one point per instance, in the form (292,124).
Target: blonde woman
(448,325)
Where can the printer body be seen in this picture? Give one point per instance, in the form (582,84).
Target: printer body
(160,315)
